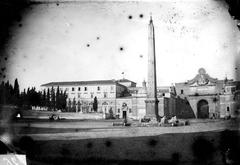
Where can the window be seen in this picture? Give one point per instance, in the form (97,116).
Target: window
(118,110)
(79,95)
(233,89)
(72,88)
(85,88)
(181,91)
(105,95)
(130,110)
(228,109)
(228,90)
(91,95)
(98,88)
(79,89)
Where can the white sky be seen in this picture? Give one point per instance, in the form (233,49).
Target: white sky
(51,44)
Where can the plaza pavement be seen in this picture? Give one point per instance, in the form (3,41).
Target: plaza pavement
(104,129)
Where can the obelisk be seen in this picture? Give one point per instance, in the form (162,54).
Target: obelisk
(151,101)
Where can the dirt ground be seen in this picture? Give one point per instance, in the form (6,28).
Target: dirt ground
(86,129)
(99,142)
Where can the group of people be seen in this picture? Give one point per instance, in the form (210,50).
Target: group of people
(173,121)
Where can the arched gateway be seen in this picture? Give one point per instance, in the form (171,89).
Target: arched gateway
(202,109)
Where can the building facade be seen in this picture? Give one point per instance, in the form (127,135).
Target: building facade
(210,97)
(120,96)
(81,94)
(201,97)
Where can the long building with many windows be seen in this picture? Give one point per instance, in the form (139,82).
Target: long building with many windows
(122,96)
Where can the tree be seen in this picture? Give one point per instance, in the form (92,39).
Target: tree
(95,104)
(2,93)
(16,92)
(58,99)
(53,99)
(7,93)
(74,105)
(48,99)
(24,98)
(44,98)
(78,106)
(10,94)
(69,105)
(34,97)
(62,100)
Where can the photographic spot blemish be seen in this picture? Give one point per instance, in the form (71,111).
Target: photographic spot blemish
(108,143)
(152,142)
(141,56)
(64,151)
(176,157)
(141,15)
(57,4)
(5,58)
(202,149)
(129,17)
(24,69)
(121,48)
(4,76)
(89,145)
(98,38)
(88,45)
(152,153)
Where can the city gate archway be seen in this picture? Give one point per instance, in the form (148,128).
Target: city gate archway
(202,109)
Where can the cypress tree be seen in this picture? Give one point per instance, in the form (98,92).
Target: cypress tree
(95,104)
(11,98)
(64,101)
(48,99)
(78,106)
(16,92)
(53,99)
(6,93)
(74,105)
(2,93)
(44,98)
(58,106)
(28,97)
(69,106)
(23,98)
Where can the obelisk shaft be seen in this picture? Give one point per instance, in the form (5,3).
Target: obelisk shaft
(151,101)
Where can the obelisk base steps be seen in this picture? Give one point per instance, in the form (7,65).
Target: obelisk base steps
(152,109)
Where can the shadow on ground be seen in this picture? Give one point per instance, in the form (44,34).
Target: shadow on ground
(215,147)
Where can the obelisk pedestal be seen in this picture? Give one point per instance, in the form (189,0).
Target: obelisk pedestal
(151,108)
